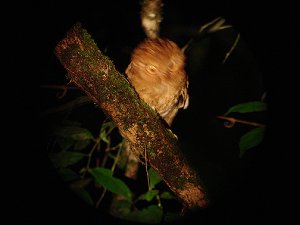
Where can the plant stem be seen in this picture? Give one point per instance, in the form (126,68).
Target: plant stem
(117,156)
(120,145)
(231,122)
(232,48)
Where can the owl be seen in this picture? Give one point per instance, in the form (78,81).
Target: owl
(157,73)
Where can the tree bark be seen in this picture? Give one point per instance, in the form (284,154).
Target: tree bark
(95,74)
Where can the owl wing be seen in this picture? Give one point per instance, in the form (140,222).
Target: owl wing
(171,101)
(183,100)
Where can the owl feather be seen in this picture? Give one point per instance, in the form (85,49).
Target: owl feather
(157,72)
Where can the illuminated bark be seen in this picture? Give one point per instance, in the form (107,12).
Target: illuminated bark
(95,74)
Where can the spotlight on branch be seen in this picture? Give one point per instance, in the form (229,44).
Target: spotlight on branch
(96,75)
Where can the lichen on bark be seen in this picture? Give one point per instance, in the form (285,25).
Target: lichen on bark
(97,76)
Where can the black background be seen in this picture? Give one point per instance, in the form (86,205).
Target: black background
(35,194)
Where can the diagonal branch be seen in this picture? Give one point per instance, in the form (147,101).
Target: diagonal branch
(96,75)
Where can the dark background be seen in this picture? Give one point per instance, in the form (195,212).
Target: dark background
(256,190)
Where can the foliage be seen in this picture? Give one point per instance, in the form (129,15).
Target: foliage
(255,136)
(251,139)
(255,106)
(91,165)
(105,178)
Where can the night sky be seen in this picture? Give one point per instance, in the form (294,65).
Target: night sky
(243,191)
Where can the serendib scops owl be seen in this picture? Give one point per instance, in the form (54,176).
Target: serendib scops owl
(157,72)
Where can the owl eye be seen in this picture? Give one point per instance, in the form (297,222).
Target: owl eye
(151,69)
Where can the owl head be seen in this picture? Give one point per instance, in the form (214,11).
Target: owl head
(157,60)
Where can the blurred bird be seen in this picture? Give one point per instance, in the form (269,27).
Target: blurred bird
(157,73)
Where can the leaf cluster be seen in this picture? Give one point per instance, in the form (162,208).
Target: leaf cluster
(92,164)
(256,135)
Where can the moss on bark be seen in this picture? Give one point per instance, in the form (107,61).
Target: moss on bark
(97,76)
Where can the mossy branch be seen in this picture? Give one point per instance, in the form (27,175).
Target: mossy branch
(96,75)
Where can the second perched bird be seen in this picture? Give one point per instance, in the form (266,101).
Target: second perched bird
(157,73)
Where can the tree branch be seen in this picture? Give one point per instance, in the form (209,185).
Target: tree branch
(151,17)
(96,75)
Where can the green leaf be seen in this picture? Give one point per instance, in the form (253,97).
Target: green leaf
(255,106)
(151,215)
(104,137)
(154,178)
(84,195)
(109,125)
(167,195)
(80,145)
(148,196)
(64,143)
(75,133)
(105,178)
(67,174)
(64,159)
(106,128)
(251,139)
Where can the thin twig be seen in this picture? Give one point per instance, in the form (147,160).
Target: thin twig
(56,86)
(232,48)
(82,100)
(112,169)
(105,157)
(158,201)
(64,89)
(215,25)
(117,157)
(101,197)
(263,97)
(231,122)
(97,142)
(211,27)
(146,167)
